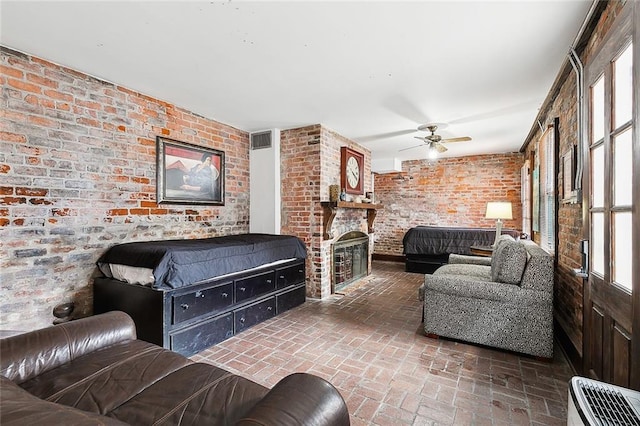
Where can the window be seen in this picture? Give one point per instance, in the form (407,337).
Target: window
(547,189)
(611,182)
(612,161)
(525,184)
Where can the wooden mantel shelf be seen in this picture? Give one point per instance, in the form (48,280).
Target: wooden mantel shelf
(331,209)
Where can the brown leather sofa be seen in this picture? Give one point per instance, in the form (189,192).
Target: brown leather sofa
(94,371)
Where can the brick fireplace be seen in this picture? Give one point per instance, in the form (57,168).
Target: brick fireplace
(310,163)
(349,259)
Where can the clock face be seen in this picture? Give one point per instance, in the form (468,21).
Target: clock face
(353,172)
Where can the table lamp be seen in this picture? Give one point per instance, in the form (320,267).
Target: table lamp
(498,210)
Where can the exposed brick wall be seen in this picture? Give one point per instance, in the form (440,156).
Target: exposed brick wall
(445,192)
(568,290)
(78,172)
(310,158)
(300,186)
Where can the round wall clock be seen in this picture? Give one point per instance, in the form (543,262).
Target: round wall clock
(351,171)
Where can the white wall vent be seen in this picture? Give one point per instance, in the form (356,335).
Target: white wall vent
(261,140)
(264,182)
(596,403)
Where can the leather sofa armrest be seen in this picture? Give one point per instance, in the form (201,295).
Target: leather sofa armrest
(25,356)
(473,260)
(299,399)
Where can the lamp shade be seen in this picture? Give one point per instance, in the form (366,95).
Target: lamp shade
(498,210)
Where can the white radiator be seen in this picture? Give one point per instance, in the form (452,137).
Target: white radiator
(596,403)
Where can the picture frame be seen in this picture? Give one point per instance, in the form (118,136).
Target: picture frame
(188,174)
(351,171)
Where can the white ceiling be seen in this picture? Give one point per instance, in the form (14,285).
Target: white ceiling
(371,71)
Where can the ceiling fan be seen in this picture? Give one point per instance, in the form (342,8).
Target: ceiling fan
(435,142)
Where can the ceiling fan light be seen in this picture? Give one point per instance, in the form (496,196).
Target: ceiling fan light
(432,153)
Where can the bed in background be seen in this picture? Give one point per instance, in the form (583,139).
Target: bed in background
(428,247)
(187,295)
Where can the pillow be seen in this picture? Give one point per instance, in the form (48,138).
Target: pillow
(501,240)
(508,262)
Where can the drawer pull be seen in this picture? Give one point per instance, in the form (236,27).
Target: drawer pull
(184,306)
(199,294)
(224,295)
(243,289)
(269,308)
(281,277)
(300,271)
(268,281)
(242,320)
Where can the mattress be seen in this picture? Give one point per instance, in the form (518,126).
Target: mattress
(436,240)
(144,276)
(179,263)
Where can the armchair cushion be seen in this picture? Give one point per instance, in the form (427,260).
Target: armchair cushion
(508,262)
(477,272)
(469,260)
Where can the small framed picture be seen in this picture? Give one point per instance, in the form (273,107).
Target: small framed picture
(188,174)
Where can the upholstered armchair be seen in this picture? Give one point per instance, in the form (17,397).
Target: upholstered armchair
(504,302)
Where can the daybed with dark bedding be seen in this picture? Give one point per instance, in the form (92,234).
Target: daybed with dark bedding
(426,248)
(187,295)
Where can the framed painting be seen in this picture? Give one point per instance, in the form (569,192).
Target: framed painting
(188,174)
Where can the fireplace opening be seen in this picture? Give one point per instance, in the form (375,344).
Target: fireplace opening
(350,254)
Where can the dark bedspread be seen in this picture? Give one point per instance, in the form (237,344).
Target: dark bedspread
(177,263)
(442,240)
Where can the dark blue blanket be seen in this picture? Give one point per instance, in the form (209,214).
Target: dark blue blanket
(178,263)
(446,240)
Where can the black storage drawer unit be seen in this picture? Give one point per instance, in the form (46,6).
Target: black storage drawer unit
(254,314)
(192,318)
(207,333)
(201,302)
(424,263)
(255,285)
(290,275)
(291,298)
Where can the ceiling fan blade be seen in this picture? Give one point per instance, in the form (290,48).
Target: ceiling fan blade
(441,148)
(405,149)
(371,138)
(460,139)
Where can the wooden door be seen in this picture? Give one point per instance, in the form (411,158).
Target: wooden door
(612,171)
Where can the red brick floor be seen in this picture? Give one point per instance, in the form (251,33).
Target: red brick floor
(368,343)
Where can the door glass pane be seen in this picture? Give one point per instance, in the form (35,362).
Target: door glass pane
(622,168)
(622,249)
(597,239)
(597,176)
(597,111)
(623,77)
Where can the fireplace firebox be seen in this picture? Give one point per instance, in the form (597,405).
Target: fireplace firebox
(350,254)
